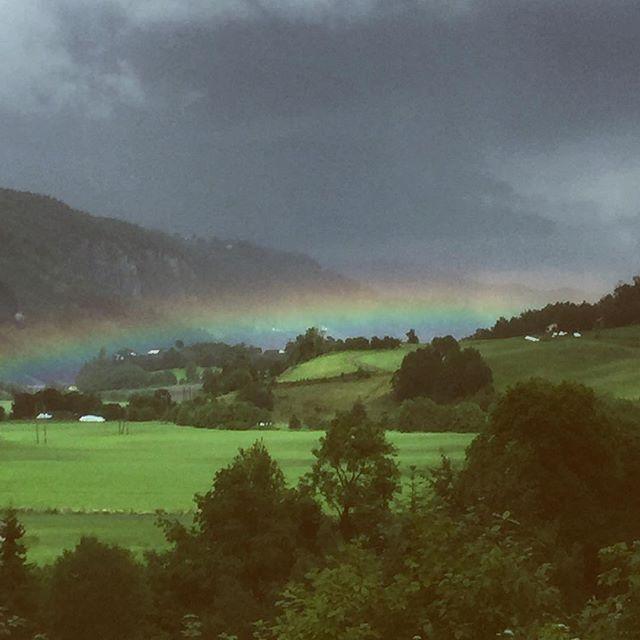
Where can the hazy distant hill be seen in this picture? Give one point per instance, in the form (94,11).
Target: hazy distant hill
(54,259)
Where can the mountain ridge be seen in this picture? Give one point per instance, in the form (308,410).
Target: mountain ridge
(56,261)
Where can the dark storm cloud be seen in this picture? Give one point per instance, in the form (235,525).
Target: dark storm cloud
(345,129)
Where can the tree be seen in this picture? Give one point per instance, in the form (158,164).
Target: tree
(211,382)
(16,579)
(444,579)
(191,372)
(615,613)
(295,423)
(258,394)
(562,461)
(355,471)
(249,532)
(344,601)
(412,338)
(97,591)
(441,371)
(307,346)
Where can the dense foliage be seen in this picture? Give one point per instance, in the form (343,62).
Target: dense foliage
(126,369)
(441,371)
(557,456)
(314,343)
(210,413)
(71,404)
(103,374)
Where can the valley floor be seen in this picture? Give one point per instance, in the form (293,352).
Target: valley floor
(85,470)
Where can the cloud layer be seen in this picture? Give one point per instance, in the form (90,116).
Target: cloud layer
(476,135)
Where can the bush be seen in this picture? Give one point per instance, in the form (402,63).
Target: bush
(144,408)
(257,394)
(102,374)
(26,406)
(295,423)
(217,414)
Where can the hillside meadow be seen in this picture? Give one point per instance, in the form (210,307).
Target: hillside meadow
(85,470)
(607,361)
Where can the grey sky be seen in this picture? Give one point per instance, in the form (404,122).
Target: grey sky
(491,137)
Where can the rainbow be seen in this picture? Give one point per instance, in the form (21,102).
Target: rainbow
(56,351)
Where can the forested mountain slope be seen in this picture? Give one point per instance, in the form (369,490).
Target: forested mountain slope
(56,260)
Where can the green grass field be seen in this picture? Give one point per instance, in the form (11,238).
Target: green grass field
(610,363)
(334,364)
(91,468)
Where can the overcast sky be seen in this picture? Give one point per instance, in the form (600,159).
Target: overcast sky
(494,137)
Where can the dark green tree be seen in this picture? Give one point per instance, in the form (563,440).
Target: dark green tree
(441,371)
(249,532)
(16,578)
(257,393)
(97,591)
(211,382)
(191,372)
(562,462)
(412,338)
(355,472)
(307,346)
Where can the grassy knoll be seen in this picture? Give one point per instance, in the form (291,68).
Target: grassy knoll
(90,468)
(334,364)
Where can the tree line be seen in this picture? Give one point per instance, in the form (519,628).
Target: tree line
(438,387)
(617,309)
(314,342)
(533,537)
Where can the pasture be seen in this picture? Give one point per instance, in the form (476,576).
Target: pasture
(332,365)
(607,361)
(84,470)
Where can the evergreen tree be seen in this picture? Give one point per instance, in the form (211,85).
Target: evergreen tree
(16,586)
